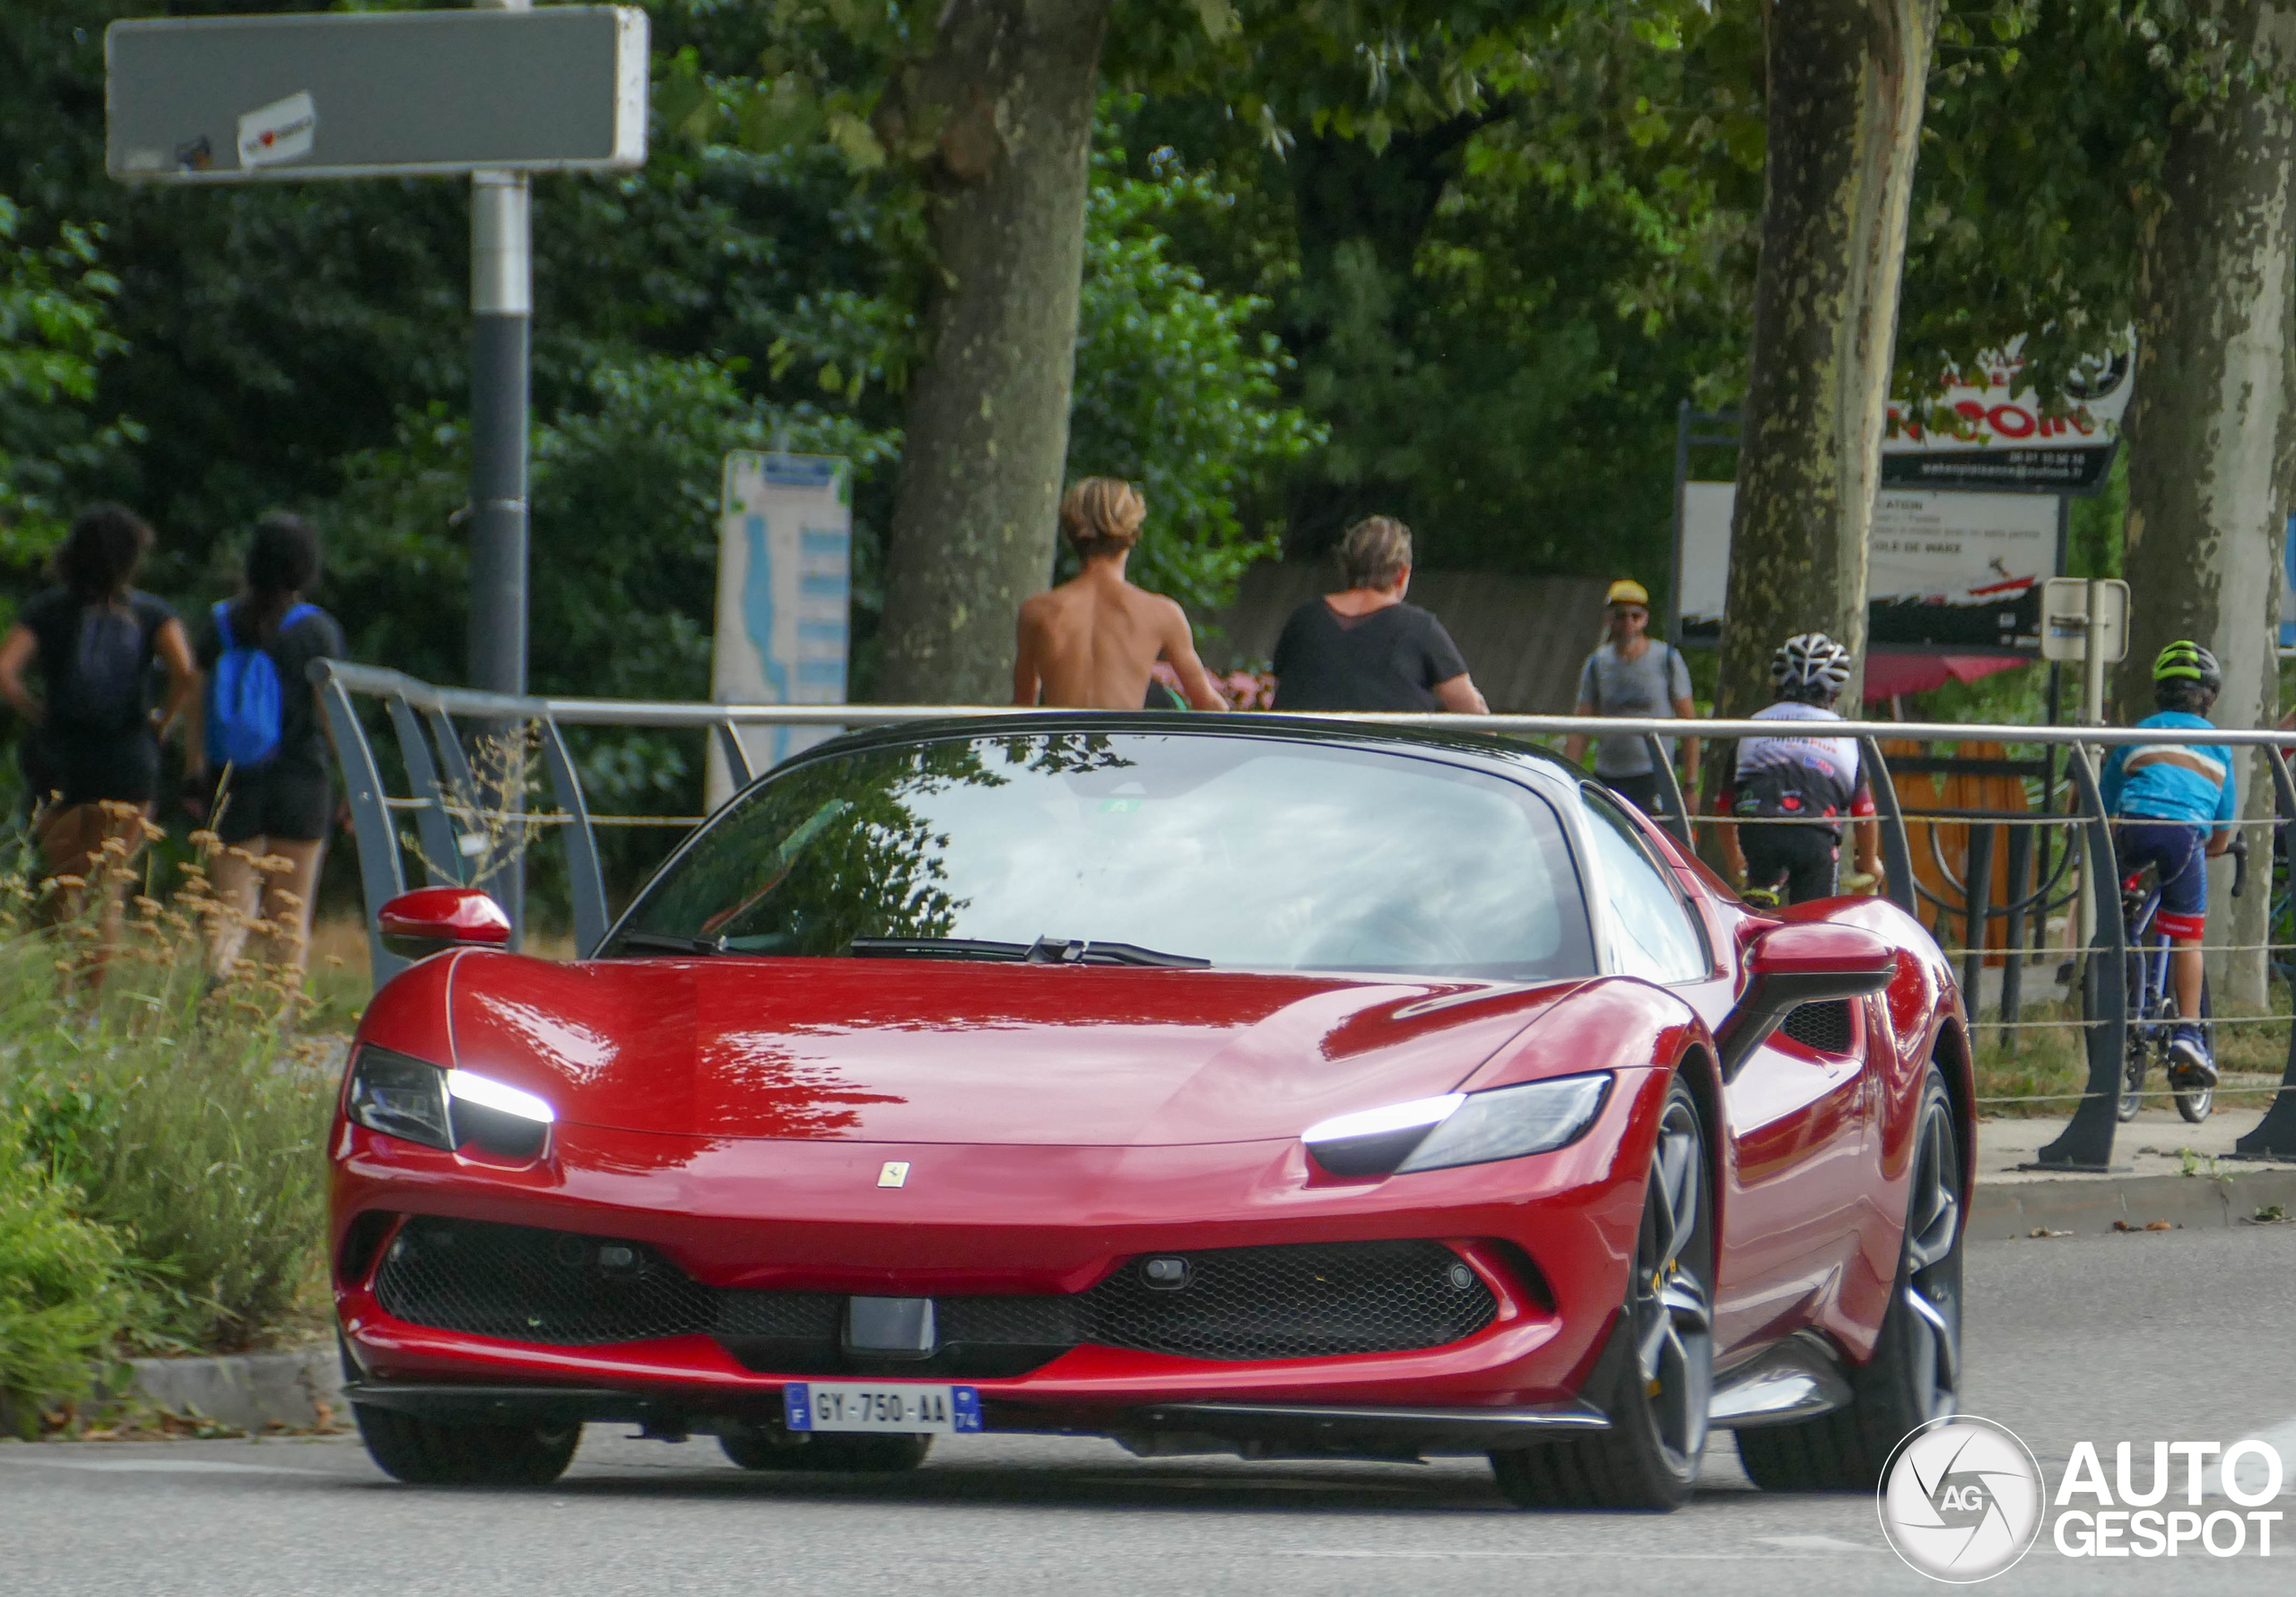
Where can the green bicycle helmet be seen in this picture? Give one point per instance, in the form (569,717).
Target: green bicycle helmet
(2185,660)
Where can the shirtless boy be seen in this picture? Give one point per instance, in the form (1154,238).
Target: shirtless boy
(1091,643)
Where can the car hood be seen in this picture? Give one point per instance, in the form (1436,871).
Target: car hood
(936,1051)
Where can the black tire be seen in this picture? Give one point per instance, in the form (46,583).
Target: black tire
(1914,1376)
(2135,1057)
(1655,1377)
(425,1453)
(2194,1099)
(754,1448)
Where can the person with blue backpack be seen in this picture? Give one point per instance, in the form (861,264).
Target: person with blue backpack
(259,765)
(92,755)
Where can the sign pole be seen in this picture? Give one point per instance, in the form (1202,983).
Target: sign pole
(501,303)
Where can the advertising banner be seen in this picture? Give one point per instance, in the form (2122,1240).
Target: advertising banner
(1950,572)
(785,581)
(2001,441)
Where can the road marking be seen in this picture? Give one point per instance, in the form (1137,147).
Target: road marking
(1579,1555)
(1817,1544)
(156,1466)
(1244,1483)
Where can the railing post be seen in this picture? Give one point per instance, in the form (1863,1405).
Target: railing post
(585,881)
(371,818)
(2274,1136)
(451,757)
(1676,819)
(2013,964)
(1977,909)
(2087,1144)
(442,861)
(737,757)
(1897,855)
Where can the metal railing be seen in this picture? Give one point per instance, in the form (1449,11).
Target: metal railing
(2048,853)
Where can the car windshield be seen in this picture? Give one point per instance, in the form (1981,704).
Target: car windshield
(1267,852)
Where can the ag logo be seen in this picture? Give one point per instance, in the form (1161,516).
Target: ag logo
(1960,1499)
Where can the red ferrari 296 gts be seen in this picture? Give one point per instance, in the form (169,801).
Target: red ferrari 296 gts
(1251,1084)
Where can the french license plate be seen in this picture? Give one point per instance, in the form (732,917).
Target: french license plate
(880,1406)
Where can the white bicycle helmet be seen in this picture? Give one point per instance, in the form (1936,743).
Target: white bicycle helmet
(1810,662)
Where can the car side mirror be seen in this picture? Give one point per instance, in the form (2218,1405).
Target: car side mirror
(430,919)
(1801,962)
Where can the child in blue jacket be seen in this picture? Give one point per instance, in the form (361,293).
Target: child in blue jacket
(2176,803)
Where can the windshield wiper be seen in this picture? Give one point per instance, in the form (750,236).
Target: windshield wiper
(934,947)
(1051,950)
(667,942)
(1043,950)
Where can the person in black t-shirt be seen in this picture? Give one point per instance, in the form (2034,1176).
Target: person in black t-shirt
(94,741)
(1365,649)
(283,807)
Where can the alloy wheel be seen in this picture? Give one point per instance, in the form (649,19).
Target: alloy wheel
(1933,1259)
(1670,1305)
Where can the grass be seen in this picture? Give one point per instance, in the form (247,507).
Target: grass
(182,1115)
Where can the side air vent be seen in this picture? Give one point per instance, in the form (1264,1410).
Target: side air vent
(1825,1027)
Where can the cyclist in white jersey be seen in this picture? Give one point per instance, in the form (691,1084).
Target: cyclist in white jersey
(1771,781)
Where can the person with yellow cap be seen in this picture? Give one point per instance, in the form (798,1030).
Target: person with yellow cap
(1633,674)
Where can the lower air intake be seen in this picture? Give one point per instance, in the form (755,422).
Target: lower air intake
(1316,1300)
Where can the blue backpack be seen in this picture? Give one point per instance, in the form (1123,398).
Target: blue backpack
(244,696)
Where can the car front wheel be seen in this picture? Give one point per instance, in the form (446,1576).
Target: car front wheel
(426,1452)
(1656,1379)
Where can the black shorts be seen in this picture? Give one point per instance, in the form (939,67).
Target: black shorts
(284,802)
(1802,857)
(124,769)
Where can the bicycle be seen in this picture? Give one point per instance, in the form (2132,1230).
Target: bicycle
(2153,1015)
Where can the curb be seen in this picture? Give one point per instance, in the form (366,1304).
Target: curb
(2089,1205)
(251,1391)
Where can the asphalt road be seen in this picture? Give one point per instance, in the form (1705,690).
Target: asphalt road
(2172,1337)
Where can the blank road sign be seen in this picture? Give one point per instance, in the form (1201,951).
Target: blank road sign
(225,99)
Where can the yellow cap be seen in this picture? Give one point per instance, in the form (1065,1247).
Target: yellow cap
(1627,591)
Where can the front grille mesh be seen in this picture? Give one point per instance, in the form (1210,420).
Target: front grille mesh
(1297,1302)
(1824,1027)
(1247,1302)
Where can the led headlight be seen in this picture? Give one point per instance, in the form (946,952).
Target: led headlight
(1374,1142)
(399,1096)
(405,1097)
(1475,1128)
(499,1118)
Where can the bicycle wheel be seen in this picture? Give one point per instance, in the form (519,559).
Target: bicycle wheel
(2135,1057)
(2136,1042)
(2193,1099)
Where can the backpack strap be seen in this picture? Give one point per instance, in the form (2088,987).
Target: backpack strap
(223,614)
(296,614)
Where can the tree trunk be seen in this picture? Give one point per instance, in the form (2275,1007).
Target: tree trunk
(1009,87)
(1846,82)
(2210,437)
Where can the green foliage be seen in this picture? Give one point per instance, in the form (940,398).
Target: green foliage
(55,327)
(64,1291)
(1174,390)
